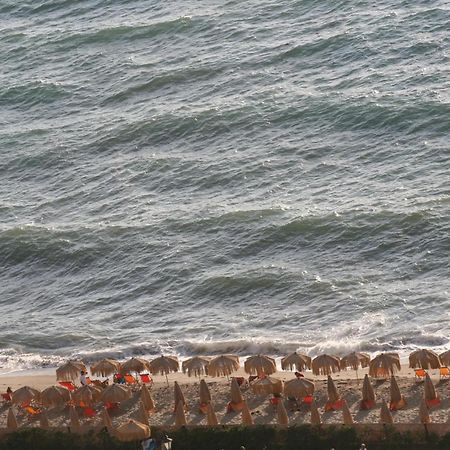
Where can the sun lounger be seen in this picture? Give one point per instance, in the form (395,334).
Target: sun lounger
(444,372)
(434,402)
(89,412)
(68,384)
(420,374)
(32,412)
(334,406)
(146,378)
(129,379)
(6,397)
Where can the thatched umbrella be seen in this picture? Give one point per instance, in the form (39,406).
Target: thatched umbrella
(236,394)
(164,365)
(25,394)
(355,360)
(315,415)
(180,417)
(247,418)
(282,416)
(55,395)
(431,397)
(333,395)
(445,358)
(205,395)
(74,420)
(115,393)
(298,388)
(426,359)
(106,421)
(296,361)
(178,395)
(147,399)
(11,422)
(385,414)
(346,414)
(267,385)
(71,370)
(368,394)
(384,365)
(424,413)
(211,418)
(260,364)
(137,365)
(105,367)
(325,365)
(223,365)
(132,431)
(87,394)
(43,421)
(197,366)
(397,400)
(142,414)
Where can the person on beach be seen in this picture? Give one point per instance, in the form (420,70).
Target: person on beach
(83,380)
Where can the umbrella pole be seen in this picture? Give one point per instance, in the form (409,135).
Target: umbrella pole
(357,379)
(167,379)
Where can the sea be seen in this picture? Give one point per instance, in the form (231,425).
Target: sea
(206,177)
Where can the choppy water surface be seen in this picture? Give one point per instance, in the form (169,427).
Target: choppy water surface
(202,177)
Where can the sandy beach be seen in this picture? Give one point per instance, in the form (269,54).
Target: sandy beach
(261,409)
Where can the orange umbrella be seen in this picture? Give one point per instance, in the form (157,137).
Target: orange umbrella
(333,395)
(236,394)
(71,370)
(25,394)
(11,422)
(368,394)
(296,361)
(134,365)
(431,397)
(384,365)
(299,387)
(355,360)
(425,359)
(325,365)
(205,395)
(260,364)
(87,394)
(115,393)
(267,385)
(164,365)
(223,365)
(105,367)
(55,395)
(132,431)
(197,366)
(247,418)
(397,400)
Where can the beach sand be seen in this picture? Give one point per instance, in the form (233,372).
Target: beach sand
(261,409)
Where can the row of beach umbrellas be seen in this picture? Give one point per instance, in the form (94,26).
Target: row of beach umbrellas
(381,366)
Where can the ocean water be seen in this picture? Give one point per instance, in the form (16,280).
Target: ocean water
(199,177)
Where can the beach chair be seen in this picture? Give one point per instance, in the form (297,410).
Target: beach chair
(444,372)
(420,374)
(146,378)
(6,396)
(68,384)
(308,399)
(88,380)
(129,379)
(32,412)
(118,378)
(434,402)
(334,406)
(89,412)
(274,401)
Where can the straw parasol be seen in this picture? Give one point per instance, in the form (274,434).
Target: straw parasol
(223,365)
(236,394)
(134,365)
(430,391)
(106,420)
(178,395)
(423,413)
(132,431)
(260,364)
(87,394)
(368,394)
(426,359)
(325,365)
(70,370)
(11,422)
(385,414)
(25,394)
(267,385)
(296,361)
(211,418)
(180,417)
(43,421)
(74,420)
(147,399)
(282,416)
(105,367)
(445,358)
(299,387)
(346,414)
(115,394)
(142,414)
(355,360)
(205,395)
(315,415)
(397,400)
(247,418)
(164,365)
(197,366)
(384,365)
(55,395)
(333,395)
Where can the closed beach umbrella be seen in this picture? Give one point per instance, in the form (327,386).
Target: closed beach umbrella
(25,394)
(164,365)
(430,391)
(132,431)
(105,367)
(197,366)
(445,358)
(384,365)
(87,394)
(346,414)
(325,365)
(333,395)
(368,394)
(236,394)
(11,422)
(267,386)
(260,364)
(55,395)
(74,420)
(397,400)
(147,399)
(315,415)
(134,365)
(71,370)
(296,361)
(355,360)
(180,417)
(385,414)
(106,420)
(115,394)
(205,395)
(298,388)
(424,413)
(426,359)
(223,365)
(142,414)
(43,421)
(211,418)
(247,418)
(282,416)
(178,395)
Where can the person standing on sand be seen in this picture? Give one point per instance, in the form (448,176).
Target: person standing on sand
(83,380)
